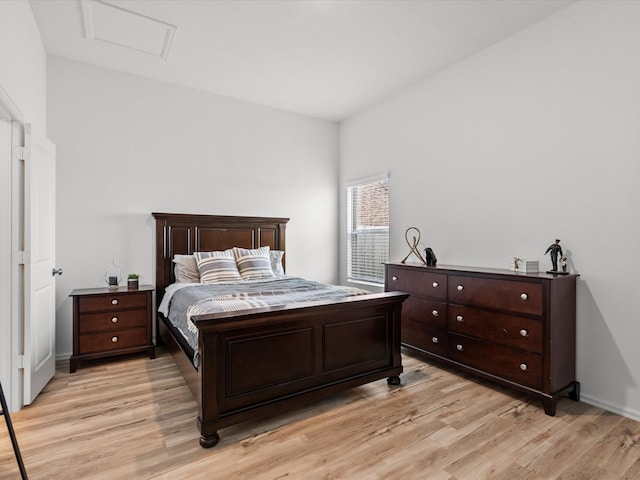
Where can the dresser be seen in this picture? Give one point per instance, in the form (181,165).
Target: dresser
(517,329)
(111,322)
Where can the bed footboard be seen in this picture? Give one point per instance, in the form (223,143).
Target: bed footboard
(260,362)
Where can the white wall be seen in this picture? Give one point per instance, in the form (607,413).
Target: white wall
(128,146)
(23,86)
(23,61)
(534,138)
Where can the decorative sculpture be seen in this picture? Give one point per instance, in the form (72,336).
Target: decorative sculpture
(413,246)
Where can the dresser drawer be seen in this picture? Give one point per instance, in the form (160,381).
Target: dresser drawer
(520,332)
(430,339)
(417,280)
(111,321)
(115,301)
(425,311)
(113,340)
(521,367)
(520,297)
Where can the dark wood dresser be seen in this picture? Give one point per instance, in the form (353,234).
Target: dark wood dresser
(111,322)
(517,329)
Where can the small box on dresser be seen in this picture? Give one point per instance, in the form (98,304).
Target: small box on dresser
(517,329)
(111,322)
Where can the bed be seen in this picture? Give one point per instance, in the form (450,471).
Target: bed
(260,361)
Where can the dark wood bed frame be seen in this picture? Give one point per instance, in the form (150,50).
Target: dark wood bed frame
(259,362)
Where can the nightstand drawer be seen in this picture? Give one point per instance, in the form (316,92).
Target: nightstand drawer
(114,301)
(110,321)
(114,340)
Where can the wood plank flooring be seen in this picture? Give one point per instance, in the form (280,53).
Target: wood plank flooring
(136,419)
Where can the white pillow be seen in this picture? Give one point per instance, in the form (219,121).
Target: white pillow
(186,269)
(276,262)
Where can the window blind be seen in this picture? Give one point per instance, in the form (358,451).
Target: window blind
(368,230)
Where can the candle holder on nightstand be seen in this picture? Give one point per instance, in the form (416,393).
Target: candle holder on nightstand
(112,276)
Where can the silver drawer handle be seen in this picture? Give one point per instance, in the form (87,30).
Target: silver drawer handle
(435,313)
(435,340)
(524,296)
(114,339)
(524,333)
(114,319)
(523,366)
(114,301)
(394,278)
(435,284)
(460,318)
(459,347)
(460,288)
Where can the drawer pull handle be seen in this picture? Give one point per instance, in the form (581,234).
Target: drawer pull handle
(460,318)
(459,348)
(435,284)
(460,288)
(435,313)
(524,296)
(523,367)
(524,333)
(435,340)
(114,301)
(394,278)
(114,319)
(114,339)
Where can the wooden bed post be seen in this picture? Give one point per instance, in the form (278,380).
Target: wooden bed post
(208,375)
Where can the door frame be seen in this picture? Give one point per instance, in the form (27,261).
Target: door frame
(10,372)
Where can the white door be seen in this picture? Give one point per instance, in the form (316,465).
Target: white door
(39,260)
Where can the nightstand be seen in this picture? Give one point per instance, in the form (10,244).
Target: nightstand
(111,322)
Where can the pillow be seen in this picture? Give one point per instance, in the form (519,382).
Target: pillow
(253,264)
(276,262)
(217,266)
(186,269)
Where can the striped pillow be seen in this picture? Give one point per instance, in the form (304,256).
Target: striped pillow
(217,266)
(253,264)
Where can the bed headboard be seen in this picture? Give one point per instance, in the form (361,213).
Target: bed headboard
(179,233)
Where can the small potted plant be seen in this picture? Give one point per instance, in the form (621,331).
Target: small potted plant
(132,281)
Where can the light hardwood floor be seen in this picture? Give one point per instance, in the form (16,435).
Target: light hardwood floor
(136,419)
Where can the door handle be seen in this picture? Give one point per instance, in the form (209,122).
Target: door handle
(55,272)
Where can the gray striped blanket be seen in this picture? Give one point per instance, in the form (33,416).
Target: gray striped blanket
(233,296)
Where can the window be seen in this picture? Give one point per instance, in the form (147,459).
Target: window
(368,230)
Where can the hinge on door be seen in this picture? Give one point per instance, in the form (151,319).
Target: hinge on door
(21,153)
(21,257)
(18,361)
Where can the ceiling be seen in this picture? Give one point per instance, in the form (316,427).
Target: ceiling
(328,59)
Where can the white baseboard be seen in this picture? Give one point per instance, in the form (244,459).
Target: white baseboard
(624,411)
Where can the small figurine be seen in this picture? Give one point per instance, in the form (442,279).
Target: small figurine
(555,250)
(430,257)
(563,262)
